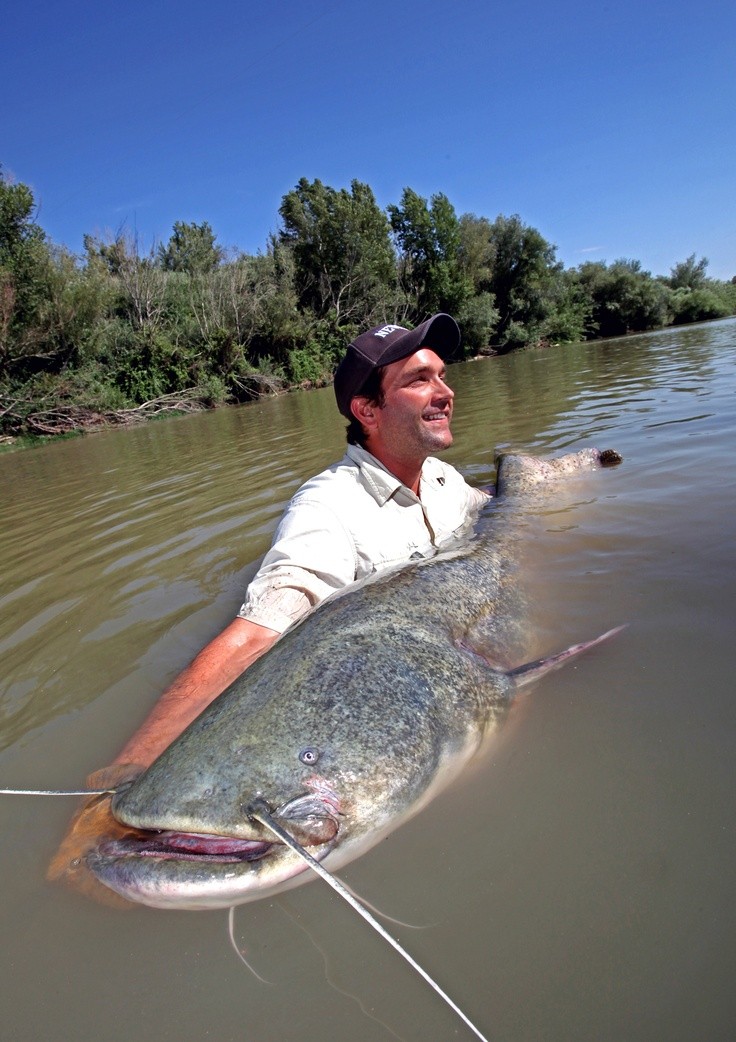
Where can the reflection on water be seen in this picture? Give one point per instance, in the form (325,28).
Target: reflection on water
(576,883)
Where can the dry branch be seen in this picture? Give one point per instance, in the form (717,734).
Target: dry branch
(63,419)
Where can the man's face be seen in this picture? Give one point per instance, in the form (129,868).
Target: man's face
(414,416)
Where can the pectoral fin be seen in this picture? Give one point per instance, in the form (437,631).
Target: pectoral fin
(533,670)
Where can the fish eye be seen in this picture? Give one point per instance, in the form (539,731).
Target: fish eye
(309,755)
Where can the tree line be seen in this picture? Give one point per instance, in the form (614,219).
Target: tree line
(119,331)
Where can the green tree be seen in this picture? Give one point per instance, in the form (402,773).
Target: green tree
(109,257)
(689,274)
(698,305)
(192,249)
(24,277)
(76,301)
(524,280)
(344,264)
(695,297)
(429,238)
(477,319)
(476,250)
(623,298)
(569,320)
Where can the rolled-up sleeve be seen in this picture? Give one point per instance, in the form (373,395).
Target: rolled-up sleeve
(312,556)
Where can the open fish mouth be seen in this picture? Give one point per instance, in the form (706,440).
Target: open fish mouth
(175,867)
(197,870)
(187,846)
(302,821)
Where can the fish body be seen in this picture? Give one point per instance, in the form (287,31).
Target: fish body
(346,727)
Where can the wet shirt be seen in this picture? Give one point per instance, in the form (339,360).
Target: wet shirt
(350,521)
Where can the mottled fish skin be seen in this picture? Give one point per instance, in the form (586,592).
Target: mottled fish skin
(346,727)
(527,475)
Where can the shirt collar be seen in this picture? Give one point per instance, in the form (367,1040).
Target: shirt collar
(381,483)
(377,480)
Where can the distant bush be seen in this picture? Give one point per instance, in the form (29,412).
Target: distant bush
(121,330)
(698,305)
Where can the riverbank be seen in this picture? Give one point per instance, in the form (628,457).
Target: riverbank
(105,337)
(43,422)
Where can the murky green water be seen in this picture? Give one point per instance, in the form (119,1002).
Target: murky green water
(577,882)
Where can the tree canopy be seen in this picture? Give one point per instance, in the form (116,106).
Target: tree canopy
(344,264)
(428,236)
(120,326)
(191,248)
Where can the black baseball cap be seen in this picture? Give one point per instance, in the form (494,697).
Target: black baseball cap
(385,344)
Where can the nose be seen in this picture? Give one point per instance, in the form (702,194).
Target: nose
(443,390)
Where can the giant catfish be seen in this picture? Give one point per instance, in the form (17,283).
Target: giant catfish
(350,723)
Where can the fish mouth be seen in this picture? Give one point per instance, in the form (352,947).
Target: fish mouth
(186,846)
(196,870)
(169,868)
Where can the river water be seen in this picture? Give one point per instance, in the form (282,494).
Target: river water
(576,883)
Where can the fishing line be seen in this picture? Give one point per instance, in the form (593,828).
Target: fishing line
(56,792)
(260,811)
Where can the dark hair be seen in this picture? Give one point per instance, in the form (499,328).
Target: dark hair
(373,391)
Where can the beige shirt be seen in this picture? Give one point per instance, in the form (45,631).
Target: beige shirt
(350,521)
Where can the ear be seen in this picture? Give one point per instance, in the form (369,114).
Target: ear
(364,411)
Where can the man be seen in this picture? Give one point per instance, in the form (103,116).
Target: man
(386,502)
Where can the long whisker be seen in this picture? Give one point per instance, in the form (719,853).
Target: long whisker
(260,811)
(284,905)
(56,792)
(236,947)
(377,911)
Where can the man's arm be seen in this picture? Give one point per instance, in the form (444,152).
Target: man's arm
(215,667)
(310,558)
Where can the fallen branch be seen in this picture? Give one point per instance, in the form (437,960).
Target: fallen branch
(63,419)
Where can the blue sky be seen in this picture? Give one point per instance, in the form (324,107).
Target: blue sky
(609,126)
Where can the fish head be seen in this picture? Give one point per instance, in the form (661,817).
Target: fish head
(327,776)
(193,841)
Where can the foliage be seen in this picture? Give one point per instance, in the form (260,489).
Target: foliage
(699,305)
(476,251)
(623,298)
(343,261)
(570,316)
(695,297)
(428,236)
(524,280)
(24,279)
(477,318)
(191,249)
(126,331)
(688,274)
